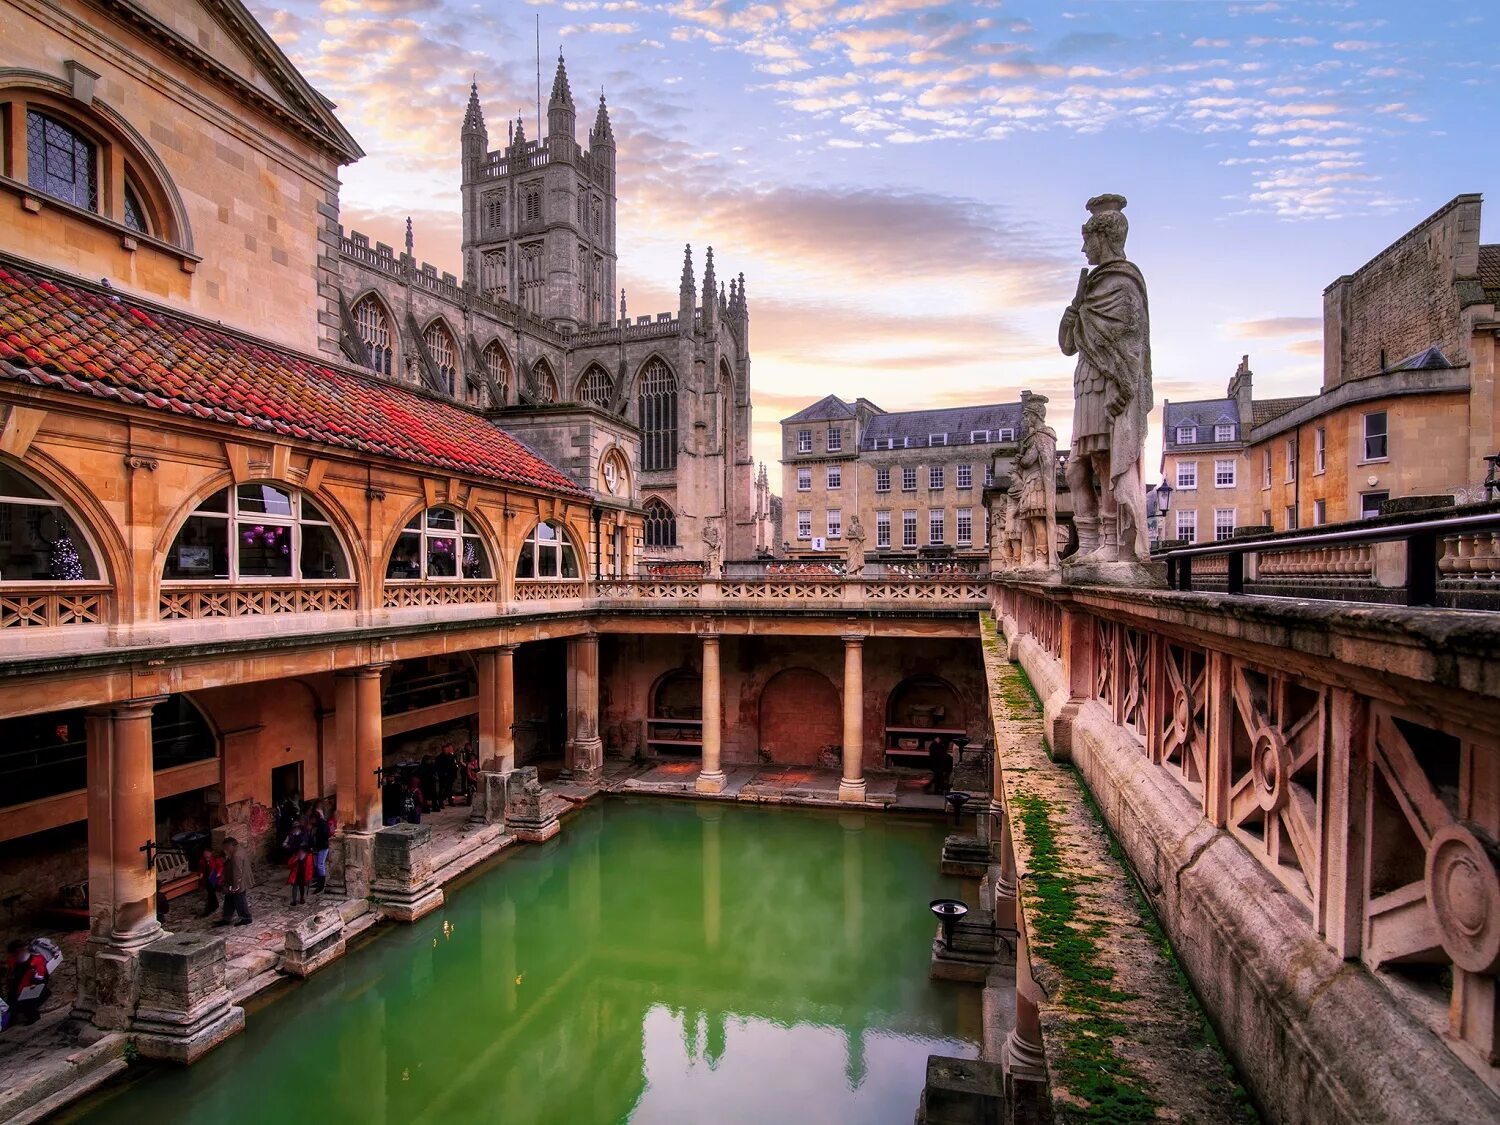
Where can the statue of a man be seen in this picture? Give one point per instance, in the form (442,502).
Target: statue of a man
(1036,466)
(1108,328)
(711,548)
(854,534)
(1012,546)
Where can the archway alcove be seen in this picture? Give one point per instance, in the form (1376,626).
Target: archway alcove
(675,724)
(800,715)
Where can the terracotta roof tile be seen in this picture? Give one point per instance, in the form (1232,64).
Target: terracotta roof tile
(77,340)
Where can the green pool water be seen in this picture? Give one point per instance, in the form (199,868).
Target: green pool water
(660,961)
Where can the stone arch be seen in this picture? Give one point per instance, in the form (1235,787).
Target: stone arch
(676,698)
(799,715)
(925,702)
(497,366)
(544,387)
(544,555)
(659,526)
(413,522)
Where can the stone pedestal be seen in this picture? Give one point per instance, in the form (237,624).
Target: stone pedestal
(404,887)
(977,948)
(962,1092)
(1137,575)
(313,942)
(353,853)
(184,1010)
(967,855)
(526,815)
(108,979)
(488,805)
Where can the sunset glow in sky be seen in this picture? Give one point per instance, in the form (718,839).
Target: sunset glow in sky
(902,181)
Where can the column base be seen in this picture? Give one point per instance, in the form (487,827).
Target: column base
(851,789)
(185,1010)
(710,781)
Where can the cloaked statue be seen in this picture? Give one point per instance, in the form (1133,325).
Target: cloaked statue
(1108,328)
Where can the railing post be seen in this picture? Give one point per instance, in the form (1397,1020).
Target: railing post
(1185,573)
(1421,568)
(1236,578)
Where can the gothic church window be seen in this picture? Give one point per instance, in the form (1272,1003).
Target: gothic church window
(658,415)
(543,382)
(660,524)
(597,387)
(494,210)
(532,193)
(375,330)
(598,218)
(497,366)
(444,352)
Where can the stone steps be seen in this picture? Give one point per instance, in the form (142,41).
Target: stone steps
(33,1095)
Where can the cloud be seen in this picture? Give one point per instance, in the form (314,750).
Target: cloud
(1274,326)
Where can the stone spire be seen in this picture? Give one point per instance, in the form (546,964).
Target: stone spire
(623,318)
(518,136)
(474,113)
(710,291)
(410,241)
(687,292)
(474,138)
(602,133)
(744,308)
(561,119)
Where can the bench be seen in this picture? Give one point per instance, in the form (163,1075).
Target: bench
(919,759)
(173,876)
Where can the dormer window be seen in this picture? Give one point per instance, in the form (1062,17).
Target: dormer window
(937,439)
(1224,431)
(978,436)
(1186,435)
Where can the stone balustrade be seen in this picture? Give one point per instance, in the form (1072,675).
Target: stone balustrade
(1310,797)
(39,606)
(192,601)
(1472,558)
(1338,565)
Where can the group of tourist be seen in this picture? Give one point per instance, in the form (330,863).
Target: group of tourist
(437,781)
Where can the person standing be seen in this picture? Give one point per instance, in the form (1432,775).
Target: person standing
(237,879)
(300,874)
(213,878)
(446,769)
(321,833)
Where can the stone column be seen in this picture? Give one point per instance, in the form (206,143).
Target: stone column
(584,753)
(852,783)
(497,708)
(122,888)
(359,754)
(711,779)
(368,748)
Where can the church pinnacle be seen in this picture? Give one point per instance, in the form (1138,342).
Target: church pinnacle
(561,93)
(474,113)
(602,133)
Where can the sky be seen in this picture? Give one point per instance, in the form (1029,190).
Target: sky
(902,182)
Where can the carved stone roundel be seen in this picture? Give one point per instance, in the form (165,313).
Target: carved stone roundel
(1463,885)
(1271,765)
(1182,714)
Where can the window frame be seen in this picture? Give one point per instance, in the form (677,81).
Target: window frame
(657,410)
(937,526)
(1224,431)
(883,530)
(1384,436)
(1187,435)
(804,480)
(653,519)
(833,477)
(84,542)
(936,478)
(1219,472)
(1187,518)
(908,529)
(908,474)
(559,548)
(804,441)
(233,518)
(834,521)
(1187,476)
(804,523)
(963,527)
(834,440)
(963,476)
(461,530)
(1224,531)
(882,478)
(1364,503)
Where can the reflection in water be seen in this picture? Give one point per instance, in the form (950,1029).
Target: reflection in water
(658,962)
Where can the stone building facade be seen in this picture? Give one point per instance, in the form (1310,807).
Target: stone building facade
(1407,407)
(532,332)
(915,479)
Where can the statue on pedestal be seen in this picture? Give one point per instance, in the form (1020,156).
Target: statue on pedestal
(1108,328)
(711,550)
(855,535)
(1011,547)
(1036,469)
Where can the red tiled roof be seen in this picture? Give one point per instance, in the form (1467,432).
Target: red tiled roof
(53,334)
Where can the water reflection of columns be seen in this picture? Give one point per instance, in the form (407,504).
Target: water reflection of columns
(854,879)
(852,783)
(711,778)
(710,816)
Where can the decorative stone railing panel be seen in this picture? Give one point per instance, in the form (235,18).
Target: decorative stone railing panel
(1472,559)
(406,595)
(1345,565)
(182,603)
(49,607)
(543,591)
(1369,794)
(976,592)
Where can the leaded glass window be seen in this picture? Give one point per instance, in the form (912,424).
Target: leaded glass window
(497,365)
(61,162)
(597,387)
(658,413)
(660,524)
(375,330)
(135,214)
(543,383)
(443,350)
(39,541)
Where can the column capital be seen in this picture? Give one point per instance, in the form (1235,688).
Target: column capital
(509,649)
(710,638)
(128,708)
(854,638)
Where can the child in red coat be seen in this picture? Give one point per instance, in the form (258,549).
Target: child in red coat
(300,874)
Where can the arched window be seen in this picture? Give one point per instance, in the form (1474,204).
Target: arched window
(39,541)
(547,553)
(80,157)
(440,543)
(543,382)
(597,387)
(497,365)
(444,352)
(61,161)
(375,330)
(256,531)
(658,398)
(660,524)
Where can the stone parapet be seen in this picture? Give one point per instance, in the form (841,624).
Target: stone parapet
(528,814)
(404,886)
(184,1010)
(1274,774)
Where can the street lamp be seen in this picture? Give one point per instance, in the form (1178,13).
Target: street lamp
(1163,498)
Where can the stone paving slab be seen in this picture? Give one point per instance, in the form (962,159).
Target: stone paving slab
(1125,1039)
